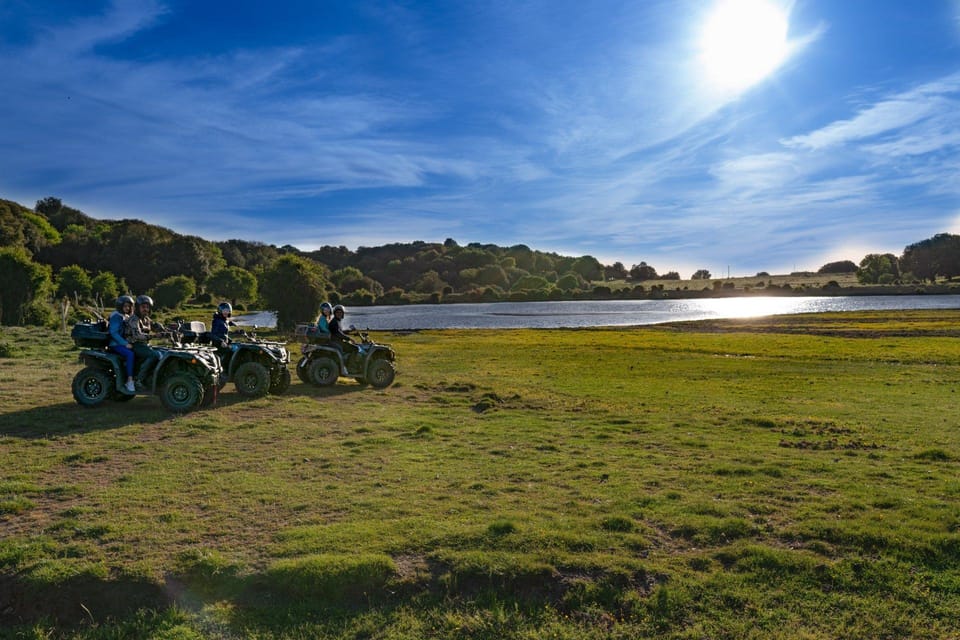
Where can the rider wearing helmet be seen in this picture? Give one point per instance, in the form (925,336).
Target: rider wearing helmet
(119,344)
(221,324)
(140,328)
(339,337)
(326,314)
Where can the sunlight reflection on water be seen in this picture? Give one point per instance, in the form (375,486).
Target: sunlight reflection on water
(592,313)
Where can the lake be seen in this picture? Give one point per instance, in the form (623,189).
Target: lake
(593,313)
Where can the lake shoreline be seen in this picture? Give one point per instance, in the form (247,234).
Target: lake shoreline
(543,314)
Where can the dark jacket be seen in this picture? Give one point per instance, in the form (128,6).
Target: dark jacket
(221,328)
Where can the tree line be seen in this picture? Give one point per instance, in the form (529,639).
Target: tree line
(56,259)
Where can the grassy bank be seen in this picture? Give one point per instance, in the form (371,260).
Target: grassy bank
(791,477)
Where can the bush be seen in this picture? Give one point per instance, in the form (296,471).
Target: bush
(172,292)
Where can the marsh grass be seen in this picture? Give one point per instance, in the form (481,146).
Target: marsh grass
(789,477)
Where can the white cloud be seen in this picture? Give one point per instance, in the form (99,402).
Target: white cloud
(888,116)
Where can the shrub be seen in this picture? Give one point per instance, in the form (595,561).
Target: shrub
(172,292)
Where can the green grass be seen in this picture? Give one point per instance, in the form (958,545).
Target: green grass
(793,477)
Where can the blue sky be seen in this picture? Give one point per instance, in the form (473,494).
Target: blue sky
(599,128)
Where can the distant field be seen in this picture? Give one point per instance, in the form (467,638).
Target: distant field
(789,477)
(818,280)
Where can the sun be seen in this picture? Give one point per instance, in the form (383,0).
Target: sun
(742,42)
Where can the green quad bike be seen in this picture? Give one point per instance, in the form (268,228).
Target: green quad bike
(255,366)
(322,362)
(185,377)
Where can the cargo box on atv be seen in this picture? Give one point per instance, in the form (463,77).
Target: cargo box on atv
(194,332)
(90,334)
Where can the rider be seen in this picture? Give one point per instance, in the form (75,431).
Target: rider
(326,315)
(139,330)
(118,340)
(219,332)
(340,338)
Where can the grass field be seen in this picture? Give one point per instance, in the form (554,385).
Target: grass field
(794,477)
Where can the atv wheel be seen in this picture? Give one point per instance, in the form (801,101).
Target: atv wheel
(302,370)
(252,380)
(381,373)
(92,386)
(181,392)
(323,371)
(281,383)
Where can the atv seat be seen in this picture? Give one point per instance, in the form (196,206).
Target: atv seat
(311,334)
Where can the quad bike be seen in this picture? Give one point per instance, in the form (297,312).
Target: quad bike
(323,362)
(185,377)
(255,366)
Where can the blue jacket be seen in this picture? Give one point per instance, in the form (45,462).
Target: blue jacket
(116,326)
(322,325)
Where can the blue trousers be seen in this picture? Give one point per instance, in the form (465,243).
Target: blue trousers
(127,355)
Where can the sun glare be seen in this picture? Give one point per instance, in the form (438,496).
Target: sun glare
(742,42)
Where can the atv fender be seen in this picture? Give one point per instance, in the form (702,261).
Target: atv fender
(109,362)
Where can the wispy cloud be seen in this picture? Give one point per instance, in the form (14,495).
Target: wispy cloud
(572,127)
(890,115)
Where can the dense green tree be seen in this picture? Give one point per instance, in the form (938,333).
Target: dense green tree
(234,283)
(616,271)
(877,268)
(350,279)
(936,256)
(570,282)
(643,271)
(73,281)
(20,227)
(429,282)
(588,267)
(11,225)
(106,287)
(531,283)
(492,274)
(174,291)
(251,256)
(473,257)
(23,283)
(61,216)
(38,233)
(701,274)
(843,266)
(190,255)
(293,287)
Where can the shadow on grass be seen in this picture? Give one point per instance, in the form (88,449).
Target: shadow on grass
(68,417)
(78,599)
(320,588)
(328,594)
